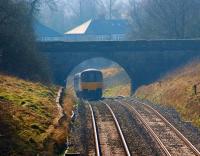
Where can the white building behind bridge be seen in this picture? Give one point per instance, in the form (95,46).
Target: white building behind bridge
(91,30)
(99,30)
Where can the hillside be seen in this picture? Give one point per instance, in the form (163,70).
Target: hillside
(28,118)
(116,82)
(111,71)
(177,90)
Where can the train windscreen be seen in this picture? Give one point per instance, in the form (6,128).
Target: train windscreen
(91,77)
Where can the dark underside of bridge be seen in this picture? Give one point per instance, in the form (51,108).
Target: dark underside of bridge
(144,61)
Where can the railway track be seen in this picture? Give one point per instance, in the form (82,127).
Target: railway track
(109,139)
(169,139)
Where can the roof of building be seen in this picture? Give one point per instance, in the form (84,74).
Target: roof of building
(101,27)
(44,31)
(81,29)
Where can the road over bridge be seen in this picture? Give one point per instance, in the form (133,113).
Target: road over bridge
(144,61)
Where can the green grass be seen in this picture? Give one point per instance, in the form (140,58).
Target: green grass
(27,110)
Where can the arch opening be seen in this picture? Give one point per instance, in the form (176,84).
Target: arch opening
(116,80)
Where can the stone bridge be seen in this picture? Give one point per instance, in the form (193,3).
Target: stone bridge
(144,61)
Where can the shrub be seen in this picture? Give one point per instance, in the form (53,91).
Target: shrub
(18,52)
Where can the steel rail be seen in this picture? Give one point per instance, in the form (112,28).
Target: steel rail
(97,145)
(119,129)
(178,133)
(147,127)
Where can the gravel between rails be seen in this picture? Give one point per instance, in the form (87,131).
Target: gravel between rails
(139,142)
(172,142)
(191,132)
(109,137)
(81,136)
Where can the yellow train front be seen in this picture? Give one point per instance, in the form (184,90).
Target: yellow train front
(89,84)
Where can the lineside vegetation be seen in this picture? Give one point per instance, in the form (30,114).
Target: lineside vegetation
(178,90)
(18,52)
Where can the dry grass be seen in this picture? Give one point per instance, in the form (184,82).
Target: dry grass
(109,72)
(123,90)
(177,90)
(69,104)
(115,82)
(61,129)
(28,113)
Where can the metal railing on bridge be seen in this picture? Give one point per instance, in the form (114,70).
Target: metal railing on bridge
(73,38)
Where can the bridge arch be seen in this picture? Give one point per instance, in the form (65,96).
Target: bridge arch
(106,65)
(67,62)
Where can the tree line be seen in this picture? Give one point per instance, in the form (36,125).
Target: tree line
(149,19)
(172,19)
(18,52)
(70,13)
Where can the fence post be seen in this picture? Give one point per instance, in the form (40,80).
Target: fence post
(195,89)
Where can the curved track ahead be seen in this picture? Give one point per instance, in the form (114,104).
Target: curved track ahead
(170,140)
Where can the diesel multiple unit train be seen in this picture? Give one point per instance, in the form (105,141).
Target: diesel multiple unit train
(88,84)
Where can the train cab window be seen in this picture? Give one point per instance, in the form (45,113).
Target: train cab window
(91,77)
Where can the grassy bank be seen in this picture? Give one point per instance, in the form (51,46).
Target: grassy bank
(111,71)
(120,89)
(68,105)
(177,90)
(116,82)
(28,118)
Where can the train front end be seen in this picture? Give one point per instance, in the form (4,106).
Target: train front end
(91,84)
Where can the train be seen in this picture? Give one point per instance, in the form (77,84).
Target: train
(88,84)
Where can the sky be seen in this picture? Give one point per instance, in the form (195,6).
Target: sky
(66,14)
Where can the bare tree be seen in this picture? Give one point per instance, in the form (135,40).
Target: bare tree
(5,11)
(19,55)
(166,18)
(34,5)
(106,7)
(135,12)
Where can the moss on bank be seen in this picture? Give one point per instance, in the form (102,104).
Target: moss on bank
(28,117)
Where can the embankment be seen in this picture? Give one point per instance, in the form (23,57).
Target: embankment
(31,121)
(179,89)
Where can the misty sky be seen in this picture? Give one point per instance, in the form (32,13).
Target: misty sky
(73,6)
(66,13)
